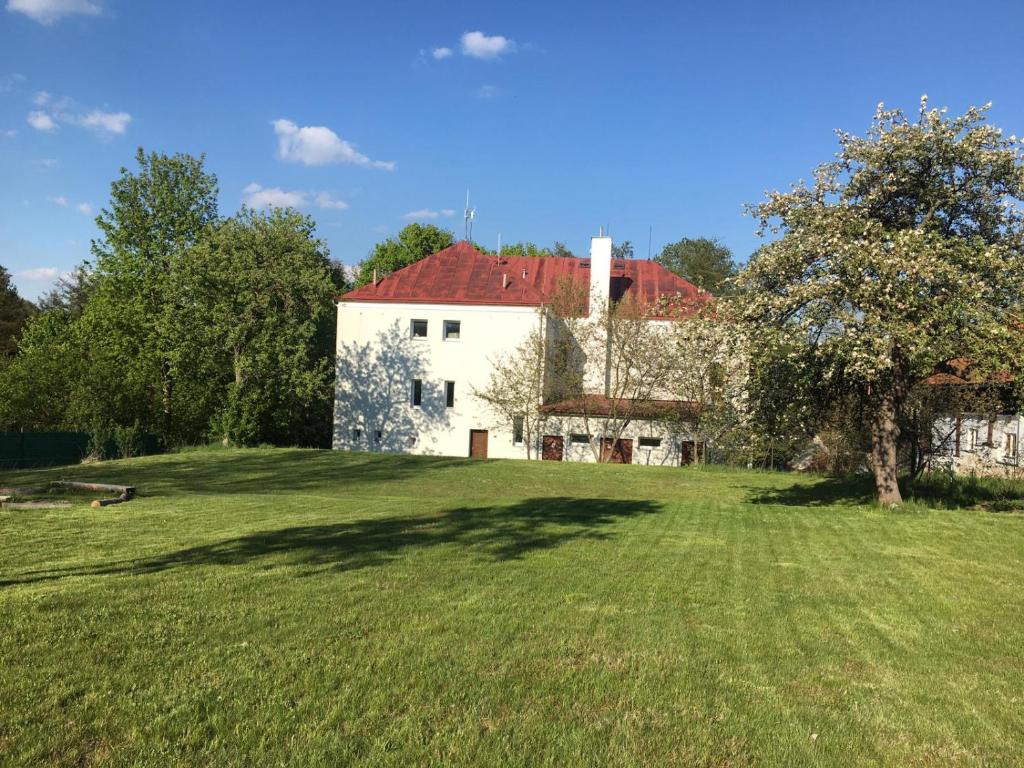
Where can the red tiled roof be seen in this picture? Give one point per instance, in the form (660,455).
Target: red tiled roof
(461,274)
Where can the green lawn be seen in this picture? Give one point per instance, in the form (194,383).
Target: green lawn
(286,607)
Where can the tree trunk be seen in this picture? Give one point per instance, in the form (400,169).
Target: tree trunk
(167,402)
(885,432)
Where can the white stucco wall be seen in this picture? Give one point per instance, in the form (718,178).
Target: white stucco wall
(377,359)
(981,458)
(668,453)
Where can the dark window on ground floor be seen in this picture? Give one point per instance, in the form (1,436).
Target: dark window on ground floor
(650,442)
(577,437)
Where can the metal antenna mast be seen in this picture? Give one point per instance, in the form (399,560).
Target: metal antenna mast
(469,215)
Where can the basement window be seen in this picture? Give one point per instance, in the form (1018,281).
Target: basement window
(417,392)
(650,442)
(419,329)
(577,437)
(449,394)
(452,330)
(517,430)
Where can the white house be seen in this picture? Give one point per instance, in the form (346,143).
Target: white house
(414,346)
(977,444)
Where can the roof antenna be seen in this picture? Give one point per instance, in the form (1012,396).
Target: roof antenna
(650,233)
(469,215)
(499,245)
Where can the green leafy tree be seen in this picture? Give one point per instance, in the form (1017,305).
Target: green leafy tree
(71,292)
(14,314)
(38,386)
(703,261)
(414,242)
(904,252)
(623,250)
(155,215)
(260,286)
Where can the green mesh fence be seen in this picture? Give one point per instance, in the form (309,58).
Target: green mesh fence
(21,450)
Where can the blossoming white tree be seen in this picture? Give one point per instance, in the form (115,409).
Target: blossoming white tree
(904,252)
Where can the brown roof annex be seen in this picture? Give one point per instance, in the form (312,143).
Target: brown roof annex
(461,274)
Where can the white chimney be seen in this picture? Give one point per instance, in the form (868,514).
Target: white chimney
(600,273)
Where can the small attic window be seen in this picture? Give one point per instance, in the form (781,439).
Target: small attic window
(585,263)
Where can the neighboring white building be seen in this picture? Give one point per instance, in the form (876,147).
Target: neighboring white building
(977,444)
(412,347)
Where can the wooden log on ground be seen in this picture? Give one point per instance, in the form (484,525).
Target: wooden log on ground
(126,491)
(126,496)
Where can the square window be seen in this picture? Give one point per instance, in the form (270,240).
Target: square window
(417,392)
(449,394)
(517,430)
(357,434)
(650,442)
(579,438)
(452,330)
(419,329)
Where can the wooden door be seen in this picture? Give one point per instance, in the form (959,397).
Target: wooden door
(690,452)
(553,448)
(478,443)
(621,452)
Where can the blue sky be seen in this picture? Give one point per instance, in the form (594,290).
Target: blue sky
(560,117)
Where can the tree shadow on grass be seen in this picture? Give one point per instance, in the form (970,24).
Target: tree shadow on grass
(252,471)
(497,533)
(934,490)
(852,489)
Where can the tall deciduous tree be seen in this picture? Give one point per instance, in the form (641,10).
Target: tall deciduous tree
(904,252)
(155,215)
(260,285)
(703,261)
(414,242)
(14,313)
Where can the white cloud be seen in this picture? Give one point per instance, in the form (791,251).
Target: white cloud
(42,122)
(106,122)
(442,53)
(39,273)
(52,112)
(487,92)
(319,145)
(272,197)
(48,11)
(84,208)
(325,201)
(59,200)
(481,46)
(426,213)
(48,162)
(10,82)
(10,133)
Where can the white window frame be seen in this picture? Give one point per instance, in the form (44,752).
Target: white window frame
(444,330)
(412,329)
